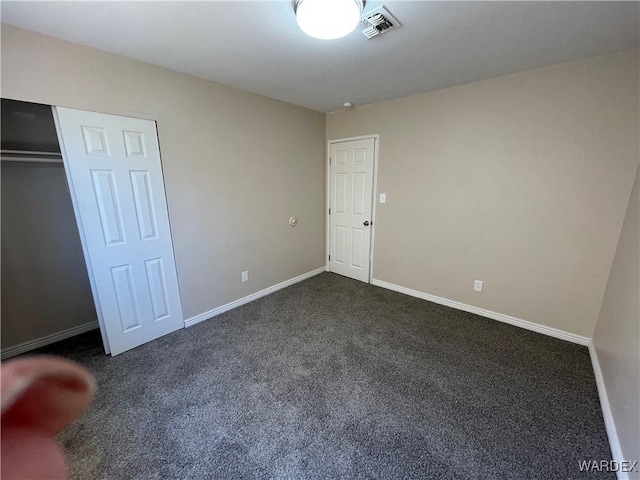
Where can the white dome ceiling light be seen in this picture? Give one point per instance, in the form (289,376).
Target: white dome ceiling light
(328,19)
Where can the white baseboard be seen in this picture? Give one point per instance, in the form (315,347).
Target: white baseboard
(535,327)
(249,298)
(47,340)
(612,433)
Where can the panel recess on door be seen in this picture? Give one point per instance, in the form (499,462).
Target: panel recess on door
(134,144)
(357,240)
(95,140)
(341,243)
(341,157)
(341,193)
(125,297)
(104,189)
(144,204)
(157,288)
(359,156)
(358,205)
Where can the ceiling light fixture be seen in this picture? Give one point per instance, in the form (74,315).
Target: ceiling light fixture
(328,19)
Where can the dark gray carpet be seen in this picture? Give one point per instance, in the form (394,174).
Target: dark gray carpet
(333,378)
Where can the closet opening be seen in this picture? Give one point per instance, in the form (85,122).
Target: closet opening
(46,294)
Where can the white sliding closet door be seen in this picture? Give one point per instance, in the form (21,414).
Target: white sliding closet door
(116,181)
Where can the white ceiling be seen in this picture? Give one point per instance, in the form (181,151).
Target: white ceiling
(256,46)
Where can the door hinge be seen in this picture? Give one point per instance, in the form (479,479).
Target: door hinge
(329,211)
(329,160)
(329,257)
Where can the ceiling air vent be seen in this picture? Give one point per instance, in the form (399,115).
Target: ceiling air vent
(377,21)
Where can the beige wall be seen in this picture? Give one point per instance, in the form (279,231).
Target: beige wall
(236,165)
(520,181)
(617,333)
(45,287)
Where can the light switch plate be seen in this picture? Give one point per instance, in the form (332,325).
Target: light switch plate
(383,198)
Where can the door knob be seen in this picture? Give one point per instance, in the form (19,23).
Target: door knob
(366,223)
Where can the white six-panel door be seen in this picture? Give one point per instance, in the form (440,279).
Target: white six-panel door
(351,200)
(117,184)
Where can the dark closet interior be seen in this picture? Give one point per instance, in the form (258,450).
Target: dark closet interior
(46,295)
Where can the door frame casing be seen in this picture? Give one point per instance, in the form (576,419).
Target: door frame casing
(376,148)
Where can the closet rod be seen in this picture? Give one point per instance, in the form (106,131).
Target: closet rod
(30,156)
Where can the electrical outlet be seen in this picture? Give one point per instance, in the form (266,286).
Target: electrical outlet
(245,276)
(477,285)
